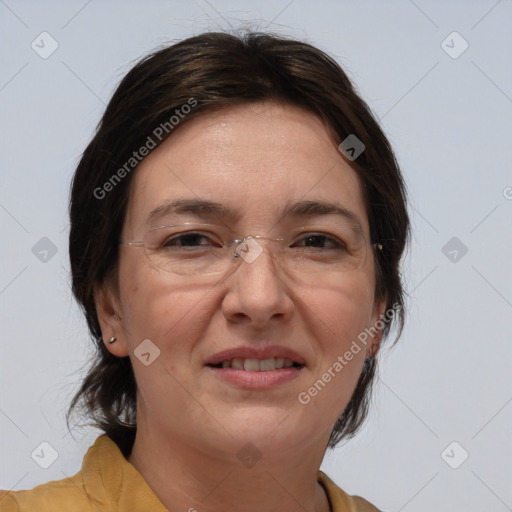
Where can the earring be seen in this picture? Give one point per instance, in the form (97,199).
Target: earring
(112,340)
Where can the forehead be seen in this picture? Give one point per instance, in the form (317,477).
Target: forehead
(254,158)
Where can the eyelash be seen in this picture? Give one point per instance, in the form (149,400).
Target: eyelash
(338,244)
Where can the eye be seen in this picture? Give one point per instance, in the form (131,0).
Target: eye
(320,241)
(190,240)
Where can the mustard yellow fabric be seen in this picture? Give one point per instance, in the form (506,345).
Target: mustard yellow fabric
(107,482)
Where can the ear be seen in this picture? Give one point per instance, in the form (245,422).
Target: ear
(376,326)
(109,315)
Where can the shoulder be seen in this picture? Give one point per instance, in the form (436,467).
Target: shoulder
(363,506)
(81,492)
(8,502)
(340,501)
(69,493)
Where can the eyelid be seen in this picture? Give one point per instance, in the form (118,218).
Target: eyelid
(213,238)
(324,231)
(329,238)
(226,236)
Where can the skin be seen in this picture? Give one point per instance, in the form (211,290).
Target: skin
(253,158)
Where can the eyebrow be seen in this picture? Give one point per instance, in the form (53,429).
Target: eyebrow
(311,208)
(198,207)
(205,207)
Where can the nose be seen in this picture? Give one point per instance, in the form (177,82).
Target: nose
(258,293)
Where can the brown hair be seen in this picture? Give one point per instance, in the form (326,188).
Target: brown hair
(219,70)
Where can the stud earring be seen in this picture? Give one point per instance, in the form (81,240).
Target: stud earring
(112,340)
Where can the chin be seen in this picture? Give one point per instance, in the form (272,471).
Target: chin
(268,427)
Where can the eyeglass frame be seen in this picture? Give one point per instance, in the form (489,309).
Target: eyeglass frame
(237,241)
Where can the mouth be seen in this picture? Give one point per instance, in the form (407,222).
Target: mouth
(257,365)
(252,368)
(251,373)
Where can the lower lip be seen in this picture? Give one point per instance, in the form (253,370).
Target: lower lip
(257,380)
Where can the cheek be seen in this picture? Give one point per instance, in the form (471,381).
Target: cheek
(344,310)
(337,317)
(173,318)
(160,308)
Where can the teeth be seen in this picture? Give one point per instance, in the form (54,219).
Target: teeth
(255,365)
(251,365)
(267,364)
(237,363)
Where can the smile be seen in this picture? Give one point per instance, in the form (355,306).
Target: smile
(257,365)
(256,374)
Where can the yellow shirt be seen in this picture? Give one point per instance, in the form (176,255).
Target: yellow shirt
(108,482)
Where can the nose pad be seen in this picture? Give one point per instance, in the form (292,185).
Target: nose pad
(248,250)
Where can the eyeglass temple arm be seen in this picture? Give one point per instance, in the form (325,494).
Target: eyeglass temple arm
(138,243)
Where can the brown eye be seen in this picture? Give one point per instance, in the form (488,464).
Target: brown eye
(187,240)
(320,241)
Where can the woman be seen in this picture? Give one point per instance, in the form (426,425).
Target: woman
(237,224)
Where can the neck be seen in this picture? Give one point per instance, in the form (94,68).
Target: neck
(186,477)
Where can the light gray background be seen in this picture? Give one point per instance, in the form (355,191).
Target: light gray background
(449,377)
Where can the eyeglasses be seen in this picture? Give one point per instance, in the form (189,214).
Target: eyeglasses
(207,249)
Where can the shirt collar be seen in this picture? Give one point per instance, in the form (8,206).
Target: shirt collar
(112,482)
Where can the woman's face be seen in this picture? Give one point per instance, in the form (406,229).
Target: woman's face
(255,161)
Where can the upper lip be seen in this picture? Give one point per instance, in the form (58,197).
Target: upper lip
(255,353)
